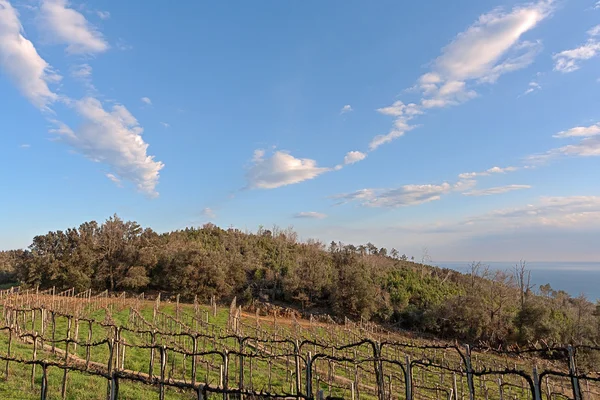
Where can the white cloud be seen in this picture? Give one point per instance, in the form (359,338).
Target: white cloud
(22,63)
(280,169)
(406,195)
(209,213)
(403,114)
(166,125)
(574,211)
(81,71)
(113,138)
(310,215)
(103,14)
(580,131)
(25,146)
(533,86)
(146,100)
(489,48)
(597,6)
(115,179)
(493,170)
(464,184)
(587,146)
(346,109)
(595,31)
(68,26)
(353,157)
(496,190)
(568,60)
(483,51)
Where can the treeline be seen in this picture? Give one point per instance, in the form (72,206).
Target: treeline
(357,281)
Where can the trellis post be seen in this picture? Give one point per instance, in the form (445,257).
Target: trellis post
(408,379)
(469,372)
(573,374)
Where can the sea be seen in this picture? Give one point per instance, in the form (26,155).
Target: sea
(575,278)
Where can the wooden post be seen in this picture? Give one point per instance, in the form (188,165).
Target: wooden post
(297,367)
(44,389)
(88,347)
(151,367)
(109,389)
(309,375)
(408,379)
(35,338)
(163,364)
(194,358)
(469,373)
(10,329)
(53,331)
(63,390)
(454,386)
(573,374)
(225,374)
(76,336)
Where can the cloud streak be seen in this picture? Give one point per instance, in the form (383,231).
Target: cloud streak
(568,60)
(310,215)
(588,144)
(488,49)
(490,171)
(407,195)
(496,190)
(68,26)
(21,62)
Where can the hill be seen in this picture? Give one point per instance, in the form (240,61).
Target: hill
(360,282)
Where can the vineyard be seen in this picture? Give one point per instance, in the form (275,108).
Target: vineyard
(77,345)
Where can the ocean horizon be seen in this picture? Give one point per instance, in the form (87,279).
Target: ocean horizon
(575,278)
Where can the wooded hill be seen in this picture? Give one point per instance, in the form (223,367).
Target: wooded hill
(496,307)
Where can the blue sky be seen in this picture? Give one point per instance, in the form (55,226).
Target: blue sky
(470,128)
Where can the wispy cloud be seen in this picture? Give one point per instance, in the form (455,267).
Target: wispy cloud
(580,131)
(489,48)
(402,113)
(166,125)
(68,26)
(533,86)
(208,213)
(21,62)
(146,100)
(569,60)
(310,215)
(574,211)
(407,195)
(588,144)
(114,138)
(496,190)
(83,73)
(490,171)
(114,179)
(280,169)
(25,146)
(103,14)
(346,109)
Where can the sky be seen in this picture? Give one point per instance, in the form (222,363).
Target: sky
(464,130)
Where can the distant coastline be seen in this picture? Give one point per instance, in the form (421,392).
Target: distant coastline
(574,278)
